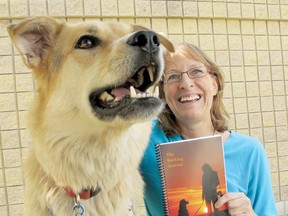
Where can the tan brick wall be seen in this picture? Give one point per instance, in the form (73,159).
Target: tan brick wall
(248,39)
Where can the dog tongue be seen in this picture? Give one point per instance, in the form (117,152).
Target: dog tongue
(120,93)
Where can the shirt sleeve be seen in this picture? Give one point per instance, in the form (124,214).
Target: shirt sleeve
(248,171)
(149,171)
(260,190)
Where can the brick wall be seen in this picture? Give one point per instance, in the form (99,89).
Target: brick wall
(248,39)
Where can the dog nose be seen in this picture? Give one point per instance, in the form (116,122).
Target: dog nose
(147,40)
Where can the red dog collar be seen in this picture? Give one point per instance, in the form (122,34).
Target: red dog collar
(84,194)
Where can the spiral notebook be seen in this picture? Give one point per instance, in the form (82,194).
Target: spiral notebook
(192,176)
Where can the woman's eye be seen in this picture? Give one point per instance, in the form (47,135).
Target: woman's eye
(87,42)
(173,77)
(196,72)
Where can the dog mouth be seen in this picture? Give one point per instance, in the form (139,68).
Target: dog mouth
(139,86)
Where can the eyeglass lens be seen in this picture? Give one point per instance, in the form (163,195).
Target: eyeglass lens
(192,73)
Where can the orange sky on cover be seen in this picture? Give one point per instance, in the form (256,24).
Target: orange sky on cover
(187,194)
(186,181)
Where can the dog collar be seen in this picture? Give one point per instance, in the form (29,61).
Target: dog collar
(84,194)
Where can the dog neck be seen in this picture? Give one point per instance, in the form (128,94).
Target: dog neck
(84,194)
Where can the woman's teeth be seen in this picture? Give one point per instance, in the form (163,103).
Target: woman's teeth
(191,98)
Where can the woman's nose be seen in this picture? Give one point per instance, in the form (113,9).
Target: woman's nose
(186,82)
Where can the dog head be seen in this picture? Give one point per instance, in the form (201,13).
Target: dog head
(183,203)
(108,70)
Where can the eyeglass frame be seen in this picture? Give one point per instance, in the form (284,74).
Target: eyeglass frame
(187,72)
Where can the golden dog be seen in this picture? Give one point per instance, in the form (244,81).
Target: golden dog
(90,120)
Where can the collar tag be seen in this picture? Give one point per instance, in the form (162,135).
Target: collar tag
(78,210)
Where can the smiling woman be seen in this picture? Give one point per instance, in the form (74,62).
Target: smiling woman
(192,89)
(200,61)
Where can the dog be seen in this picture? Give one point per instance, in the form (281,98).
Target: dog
(90,119)
(183,211)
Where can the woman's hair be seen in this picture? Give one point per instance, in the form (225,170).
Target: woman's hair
(219,115)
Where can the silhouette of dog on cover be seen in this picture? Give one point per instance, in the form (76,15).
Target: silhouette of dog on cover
(182,208)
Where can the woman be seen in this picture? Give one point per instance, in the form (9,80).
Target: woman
(210,181)
(192,88)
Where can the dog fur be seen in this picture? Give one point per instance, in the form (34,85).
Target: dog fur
(82,140)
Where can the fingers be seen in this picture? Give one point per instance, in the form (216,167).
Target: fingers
(228,197)
(238,204)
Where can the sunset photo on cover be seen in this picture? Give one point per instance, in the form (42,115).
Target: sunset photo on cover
(195,178)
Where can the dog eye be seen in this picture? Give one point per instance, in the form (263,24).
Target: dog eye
(87,42)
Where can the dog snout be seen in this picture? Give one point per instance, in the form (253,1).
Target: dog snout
(147,40)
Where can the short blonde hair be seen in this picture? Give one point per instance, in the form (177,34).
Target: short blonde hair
(219,115)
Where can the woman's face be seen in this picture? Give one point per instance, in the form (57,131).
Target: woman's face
(189,99)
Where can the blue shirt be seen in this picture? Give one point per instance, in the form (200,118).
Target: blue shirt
(246,166)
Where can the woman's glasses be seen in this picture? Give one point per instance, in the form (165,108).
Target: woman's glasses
(193,73)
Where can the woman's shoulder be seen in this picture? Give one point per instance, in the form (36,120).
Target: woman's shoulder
(155,123)
(239,137)
(245,142)
(156,128)
(247,149)
(158,135)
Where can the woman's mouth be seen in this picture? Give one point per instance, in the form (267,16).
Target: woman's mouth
(189,99)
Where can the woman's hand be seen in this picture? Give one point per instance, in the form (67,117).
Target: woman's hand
(238,204)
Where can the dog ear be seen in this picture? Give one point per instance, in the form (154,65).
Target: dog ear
(164,40)
(33,37)
(167,43)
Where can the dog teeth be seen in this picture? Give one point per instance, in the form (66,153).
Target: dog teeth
(133,93)
(106,97)
(156,91)
(151,73)
(140,78)
(151,92)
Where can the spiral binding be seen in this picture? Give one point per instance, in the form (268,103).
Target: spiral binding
(162,177)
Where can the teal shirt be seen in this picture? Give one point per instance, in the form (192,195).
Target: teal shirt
(246,165)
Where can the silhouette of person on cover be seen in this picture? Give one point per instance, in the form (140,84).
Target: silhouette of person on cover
(210,181)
